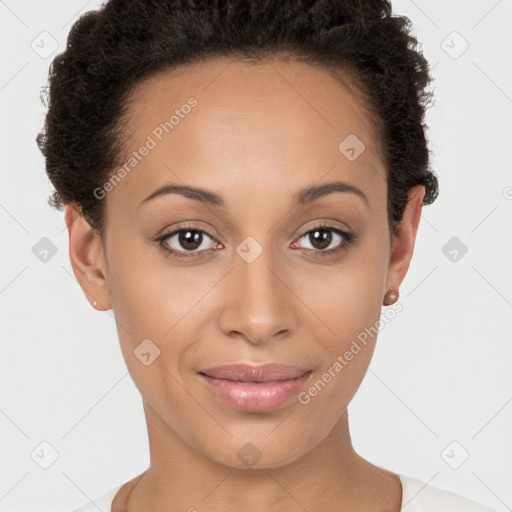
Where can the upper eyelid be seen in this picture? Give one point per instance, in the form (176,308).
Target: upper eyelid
(175,231)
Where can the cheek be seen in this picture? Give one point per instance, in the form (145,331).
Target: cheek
(157,301)
(143,288)
(349,305)
(148,307)
(348,299)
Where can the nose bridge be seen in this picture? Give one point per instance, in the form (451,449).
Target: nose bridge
(258,303)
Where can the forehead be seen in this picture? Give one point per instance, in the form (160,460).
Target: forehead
(227,122)
(230,89)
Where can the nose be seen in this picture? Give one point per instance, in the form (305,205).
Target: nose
(259,304)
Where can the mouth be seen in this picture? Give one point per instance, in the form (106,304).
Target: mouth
(251,373)
(255,388)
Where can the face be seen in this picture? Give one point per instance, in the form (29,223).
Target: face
(268,265)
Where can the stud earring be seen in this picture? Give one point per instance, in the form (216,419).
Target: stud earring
(94,304)
(391,297)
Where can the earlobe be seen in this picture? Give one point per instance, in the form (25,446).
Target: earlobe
(87,259)
(402,246)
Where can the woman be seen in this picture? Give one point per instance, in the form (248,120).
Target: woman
(242,185)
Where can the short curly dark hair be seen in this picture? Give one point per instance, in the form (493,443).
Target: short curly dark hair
(111,50)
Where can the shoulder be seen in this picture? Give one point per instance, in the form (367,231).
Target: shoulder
(418,496)
(103,503)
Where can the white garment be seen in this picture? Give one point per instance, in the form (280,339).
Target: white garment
(417,496)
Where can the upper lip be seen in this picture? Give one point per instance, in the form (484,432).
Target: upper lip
(261,373)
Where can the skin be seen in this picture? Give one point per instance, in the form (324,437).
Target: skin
(258,135)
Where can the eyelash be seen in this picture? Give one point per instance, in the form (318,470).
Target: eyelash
(348,239)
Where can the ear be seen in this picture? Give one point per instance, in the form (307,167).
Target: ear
(402,246)
(87,258)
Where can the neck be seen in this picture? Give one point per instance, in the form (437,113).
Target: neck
(330,476)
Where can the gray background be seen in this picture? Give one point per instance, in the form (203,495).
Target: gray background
(439,388)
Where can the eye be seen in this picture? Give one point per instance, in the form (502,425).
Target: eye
(186,240)
(321,237)
(196,241)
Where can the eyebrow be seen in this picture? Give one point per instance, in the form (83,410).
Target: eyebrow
(302,197)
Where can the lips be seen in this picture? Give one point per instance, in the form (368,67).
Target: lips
(250,373)
(255,389)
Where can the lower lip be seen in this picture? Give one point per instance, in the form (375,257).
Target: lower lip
(256,396)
